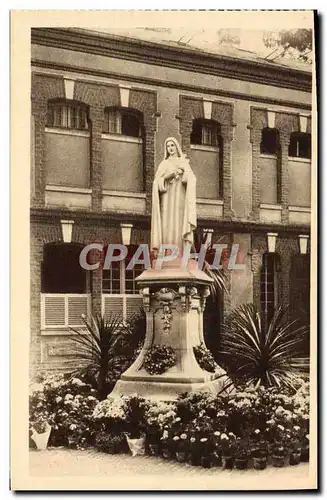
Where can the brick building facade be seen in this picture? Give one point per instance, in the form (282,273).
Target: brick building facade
(102,107)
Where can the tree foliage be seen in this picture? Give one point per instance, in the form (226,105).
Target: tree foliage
(296,42)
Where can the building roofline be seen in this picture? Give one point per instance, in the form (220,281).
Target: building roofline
(184,58)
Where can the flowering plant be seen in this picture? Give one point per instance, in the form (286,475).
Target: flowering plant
(159,415)
(135,411)
(159,358)
(204,358)
(40,417)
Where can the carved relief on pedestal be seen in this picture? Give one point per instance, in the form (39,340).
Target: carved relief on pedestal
(186,297)
(203,297)
(145,292)
(165,298)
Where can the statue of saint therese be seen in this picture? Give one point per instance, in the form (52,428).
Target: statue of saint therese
(173,199)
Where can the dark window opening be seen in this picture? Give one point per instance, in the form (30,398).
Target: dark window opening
(122,122)
(269,144)
(206,133)
(268,286)
(300,145)
(61,271)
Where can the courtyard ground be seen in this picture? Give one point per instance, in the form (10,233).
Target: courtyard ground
(158,473)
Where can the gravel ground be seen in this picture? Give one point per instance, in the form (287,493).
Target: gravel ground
(64,463)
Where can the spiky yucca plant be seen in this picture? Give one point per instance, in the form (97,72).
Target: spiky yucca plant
(102,347)
(263,355)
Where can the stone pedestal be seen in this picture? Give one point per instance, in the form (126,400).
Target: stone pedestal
(173,300)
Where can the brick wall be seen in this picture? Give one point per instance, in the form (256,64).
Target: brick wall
(97,97)
(191,108)
(285,123)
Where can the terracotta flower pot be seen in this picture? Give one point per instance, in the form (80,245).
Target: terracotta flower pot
(206,462)
(305,455)
(295,458)
(278,460)
(41,439)
(181,456)
(259,463)
(166,453)
(195,459)
(154,449)
(227,462)
(241,463)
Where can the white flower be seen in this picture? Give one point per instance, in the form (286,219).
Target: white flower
(281,427)
(58,399)
(192,439)
(216,433)
(183,436)
(178,419)
(203,440)
(224,436)
(176,438)
(257,431)
(73,427)
(69,396)
(78,382)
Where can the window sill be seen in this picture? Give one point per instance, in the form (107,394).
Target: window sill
(121,138)
(300,209)
(204,147)
(68,189)
(299,159)
(207,201)
(270,206)
(126,194)
(272,157)
(64,131)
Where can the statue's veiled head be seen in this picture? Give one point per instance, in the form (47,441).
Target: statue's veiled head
(172,148)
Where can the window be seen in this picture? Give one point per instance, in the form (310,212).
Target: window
(119,280)
(268,286)
(300,145)
(269,141)
(122,122)
(61,271)
(206,133)
(67,115)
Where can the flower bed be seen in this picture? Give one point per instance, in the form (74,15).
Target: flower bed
(250,427)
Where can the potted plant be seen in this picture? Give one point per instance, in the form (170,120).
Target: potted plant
(227,450)
(260,457)
(305,448)
(241,453)
(40,418)
(295,446)
(195,447)
(279,454)
(135,409)
(206,451)
(109,443)
(166,445)
(181,443)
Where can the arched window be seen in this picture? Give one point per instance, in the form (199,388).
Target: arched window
(67,145)
(300,145)
(65,114)
(207,158)
(269,141)
(123,150)
(269,285)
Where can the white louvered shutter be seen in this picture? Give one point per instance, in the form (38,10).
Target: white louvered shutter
(54,311)
(76,307)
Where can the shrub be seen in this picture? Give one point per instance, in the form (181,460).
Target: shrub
(269,356)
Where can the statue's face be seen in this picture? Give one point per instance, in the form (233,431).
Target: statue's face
(171,148)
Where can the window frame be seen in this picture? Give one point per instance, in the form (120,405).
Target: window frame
(65,114)
(298,136)
(213,130)
(120,115)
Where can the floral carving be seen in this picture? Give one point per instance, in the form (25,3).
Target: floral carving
(165,297)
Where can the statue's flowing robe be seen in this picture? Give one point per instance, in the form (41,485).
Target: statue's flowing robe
(173,205)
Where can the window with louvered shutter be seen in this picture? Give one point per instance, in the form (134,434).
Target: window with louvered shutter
(76,307)
(54,311)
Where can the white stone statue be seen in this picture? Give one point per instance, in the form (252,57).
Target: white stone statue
(173,199)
